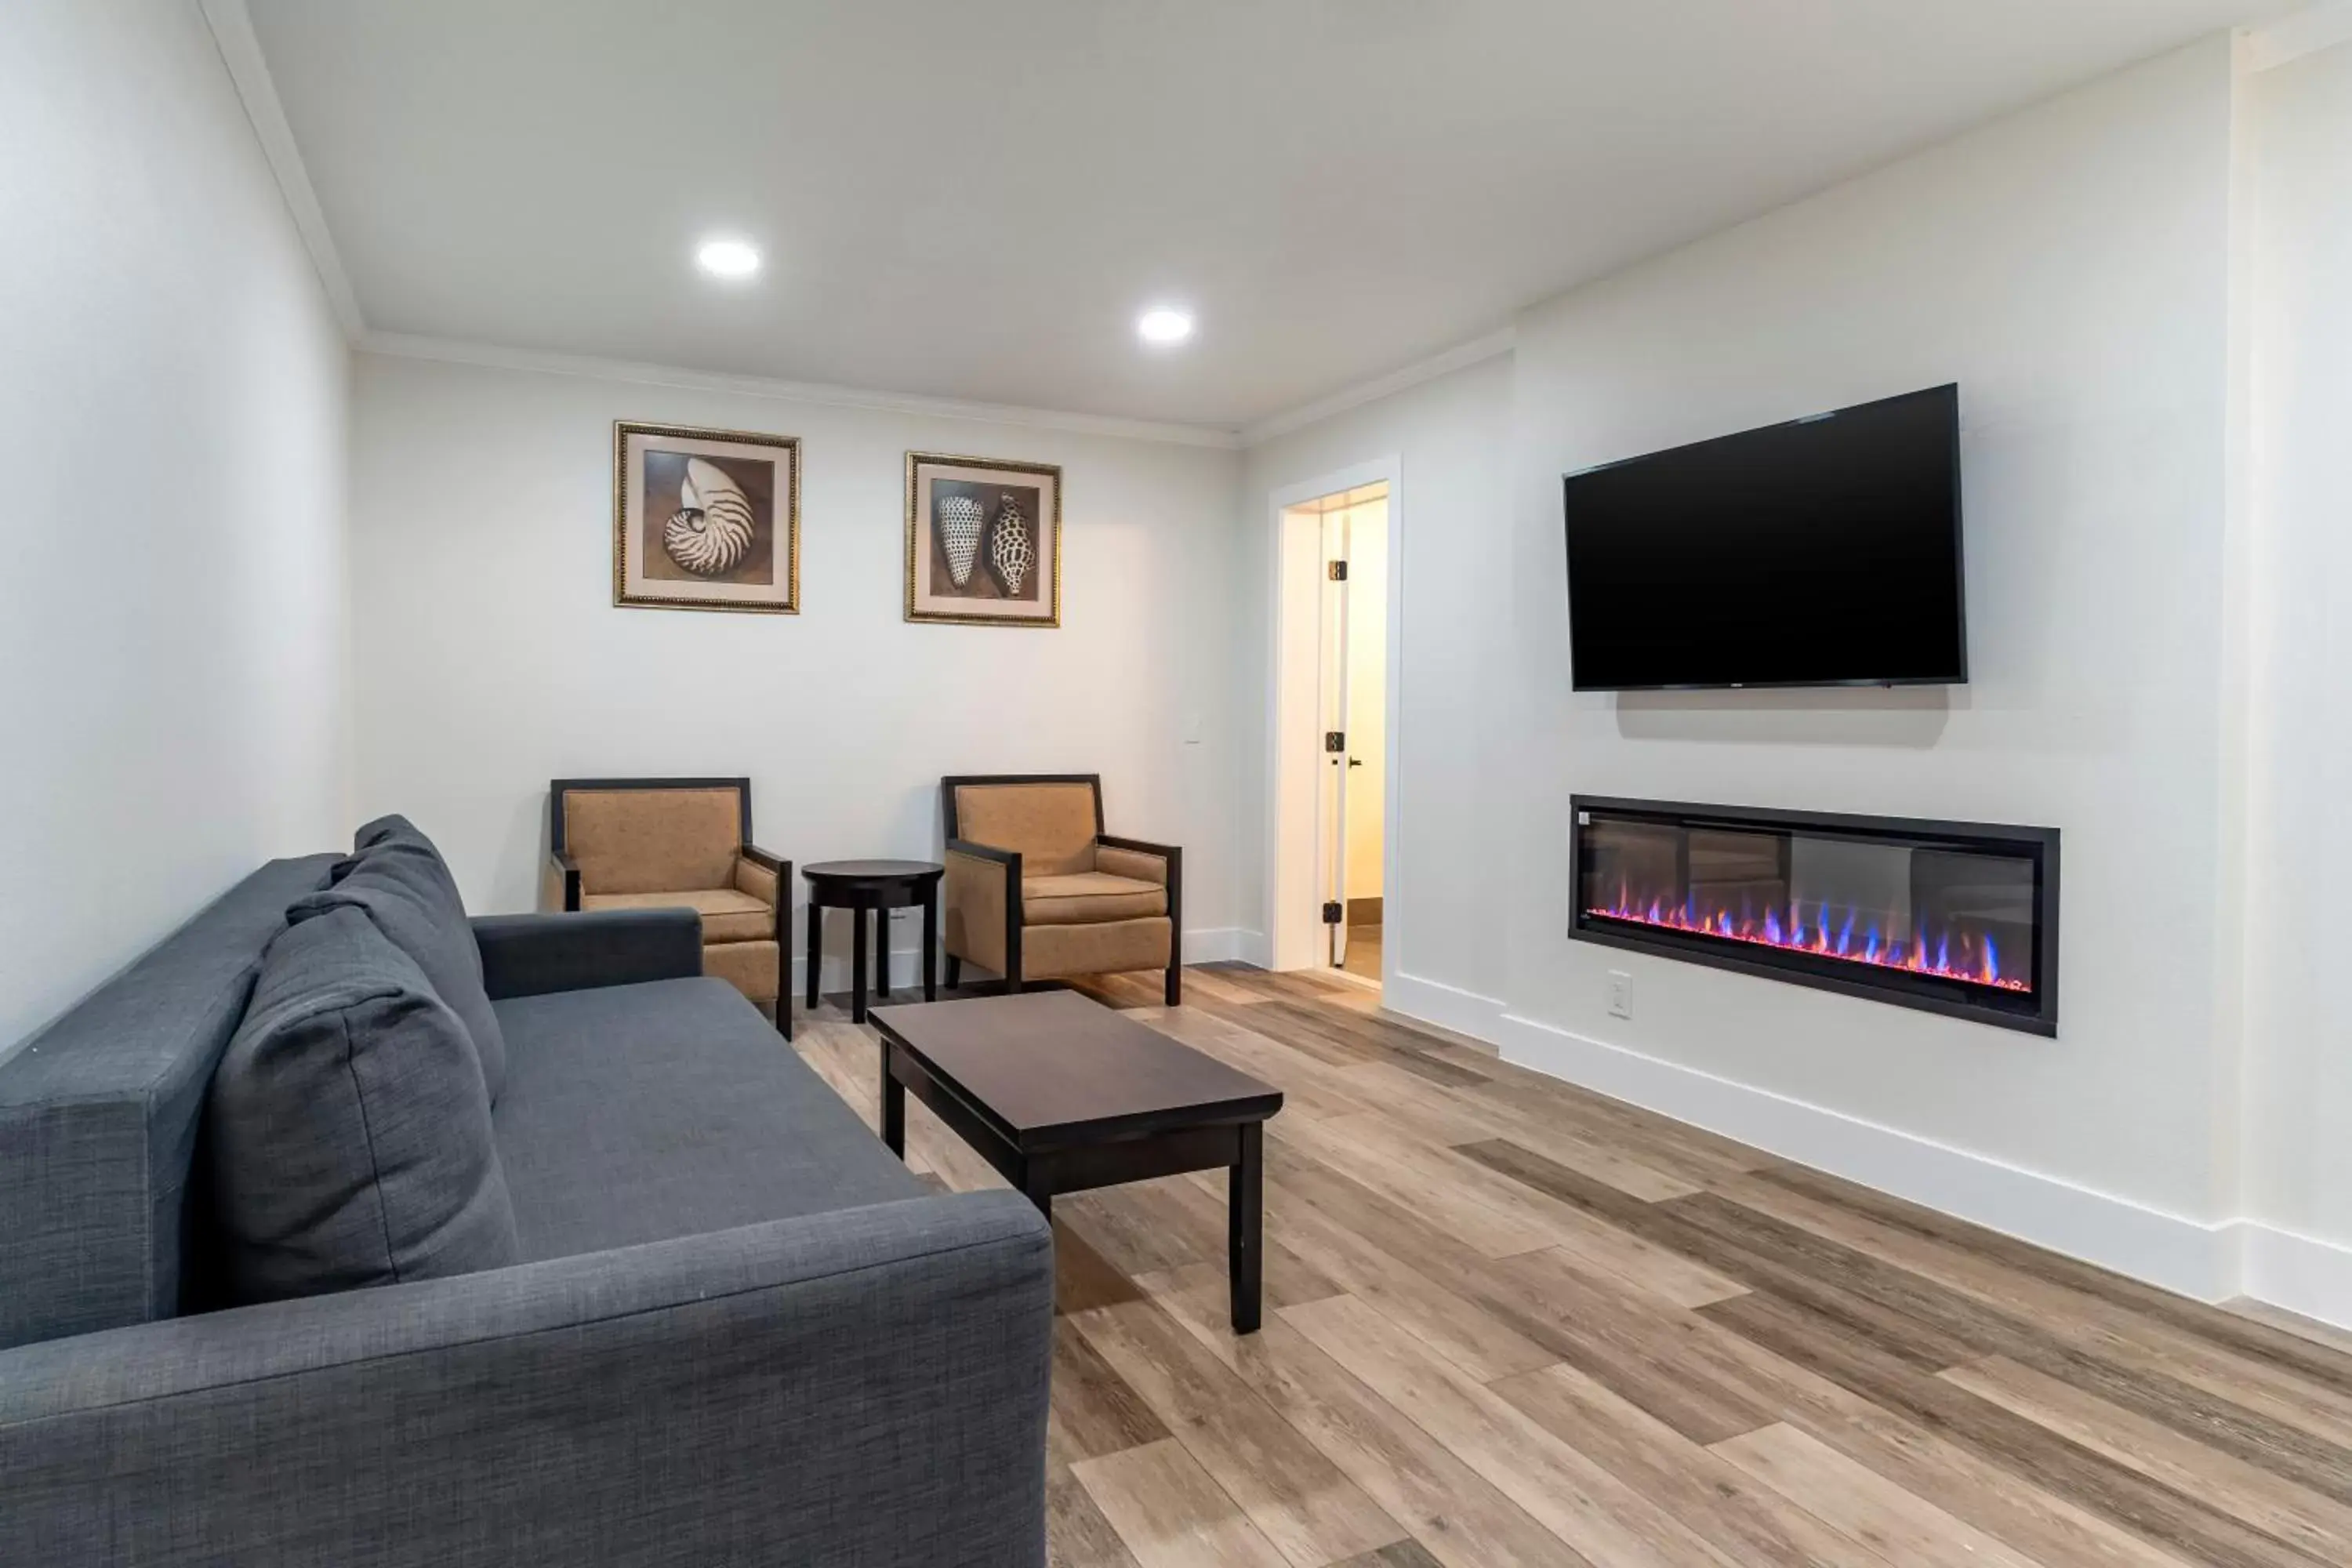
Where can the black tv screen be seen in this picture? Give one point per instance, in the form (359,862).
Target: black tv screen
(1825,552)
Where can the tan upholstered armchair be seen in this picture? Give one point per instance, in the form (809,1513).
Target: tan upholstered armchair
(1036,891)
(633,844)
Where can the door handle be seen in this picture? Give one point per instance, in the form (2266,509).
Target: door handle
(1354,762)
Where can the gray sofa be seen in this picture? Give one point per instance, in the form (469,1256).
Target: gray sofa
(741,1332)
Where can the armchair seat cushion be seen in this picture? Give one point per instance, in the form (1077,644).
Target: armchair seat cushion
(1087,898)
(728,914)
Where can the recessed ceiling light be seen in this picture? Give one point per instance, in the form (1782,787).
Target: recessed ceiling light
(1164,325)
(728,259)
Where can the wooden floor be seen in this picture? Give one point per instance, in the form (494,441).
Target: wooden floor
(1512,1322)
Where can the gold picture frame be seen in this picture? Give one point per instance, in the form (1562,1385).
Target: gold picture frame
(983,542)
(706,519)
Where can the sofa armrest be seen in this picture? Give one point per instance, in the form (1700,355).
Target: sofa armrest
(525,955)
(867,1385)
(980,906)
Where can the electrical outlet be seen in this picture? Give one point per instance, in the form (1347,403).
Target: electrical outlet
(1620,994)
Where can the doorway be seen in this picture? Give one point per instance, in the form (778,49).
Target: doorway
(1331,725)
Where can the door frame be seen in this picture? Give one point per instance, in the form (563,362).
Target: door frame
(1290,841)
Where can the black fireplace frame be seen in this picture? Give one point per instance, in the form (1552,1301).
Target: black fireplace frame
(2036,1013)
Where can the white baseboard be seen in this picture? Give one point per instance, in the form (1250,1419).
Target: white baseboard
(1220,944)
(2191,1257)
(905,969)
(1211,944)
(2301,1273)
(1447,1006)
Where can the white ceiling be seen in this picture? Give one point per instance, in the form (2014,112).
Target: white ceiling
(974,198)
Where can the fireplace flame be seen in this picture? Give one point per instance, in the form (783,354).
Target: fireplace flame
(1848,935)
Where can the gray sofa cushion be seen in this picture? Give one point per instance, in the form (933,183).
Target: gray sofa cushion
(349,1127)
(636,1113)
(399,879)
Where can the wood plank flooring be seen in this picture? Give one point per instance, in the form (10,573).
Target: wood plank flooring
(1512,1322)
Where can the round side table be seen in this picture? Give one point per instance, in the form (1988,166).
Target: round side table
(880,885)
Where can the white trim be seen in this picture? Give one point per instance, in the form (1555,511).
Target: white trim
(449,351)
(1447,1006)
(1499,342)
(1390,471)
(1208,945)
(2297,34)
(2192,1256)
(1219,945)
(248,68)
(2302,1273)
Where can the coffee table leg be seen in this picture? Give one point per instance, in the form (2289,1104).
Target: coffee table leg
(1245,1226)
(815,947)
(894,1108)
(1037,1187)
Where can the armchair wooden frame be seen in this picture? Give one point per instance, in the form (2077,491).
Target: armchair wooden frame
(562,864)
(1011,860)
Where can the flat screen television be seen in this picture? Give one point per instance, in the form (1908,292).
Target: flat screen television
(1825,552)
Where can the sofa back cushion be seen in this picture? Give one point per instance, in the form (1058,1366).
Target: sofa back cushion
(1050,824)
(398,879)
(653,840)
(100,1115)
(350,1133)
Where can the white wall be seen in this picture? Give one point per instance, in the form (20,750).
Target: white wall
(1442,911)
(490,657)
(2070,267)
(172,392)
(2299,1083)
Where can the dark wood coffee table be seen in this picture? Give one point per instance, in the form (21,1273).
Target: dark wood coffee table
(1060,1094)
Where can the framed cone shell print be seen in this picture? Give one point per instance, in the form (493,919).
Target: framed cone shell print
(983,542)
(706,519)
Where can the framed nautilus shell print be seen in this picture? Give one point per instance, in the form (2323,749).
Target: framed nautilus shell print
(983,542)
(706,519)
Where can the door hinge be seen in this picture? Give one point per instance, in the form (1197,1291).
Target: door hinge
(1332,913)
(1338,571)
(1335,740)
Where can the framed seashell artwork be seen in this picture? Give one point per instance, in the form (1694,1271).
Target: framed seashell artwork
(983,542)
(706,519)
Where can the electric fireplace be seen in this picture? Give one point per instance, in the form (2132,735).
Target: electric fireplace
(1952,916)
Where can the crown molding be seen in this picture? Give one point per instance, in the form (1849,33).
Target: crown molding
(240,51)
(1499,341)
(448,350)
(2297,34)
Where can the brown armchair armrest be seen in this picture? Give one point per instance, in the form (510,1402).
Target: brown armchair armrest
(559,885)
(983,851)
(1168,855)
(1172,862)
(765,877)
(981,907)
